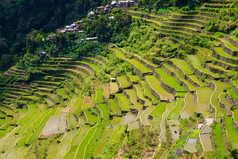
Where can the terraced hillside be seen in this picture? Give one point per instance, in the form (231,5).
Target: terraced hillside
(179,107)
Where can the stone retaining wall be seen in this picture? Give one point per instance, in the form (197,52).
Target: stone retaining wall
(180,29)
(191,81)
(230,100)
(176,78)
(153,92)
(228,50)
(233,42)
(225,66)
(215,70)
(191,17)
(198,27)
(144,93)
(223,58)
(177,68)
(141,101)
(163,85)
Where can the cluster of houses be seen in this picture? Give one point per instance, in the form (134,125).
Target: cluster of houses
(69,28)
(107,8)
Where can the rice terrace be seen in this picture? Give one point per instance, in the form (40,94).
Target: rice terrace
(103,79)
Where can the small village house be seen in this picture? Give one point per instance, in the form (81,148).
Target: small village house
(43,55)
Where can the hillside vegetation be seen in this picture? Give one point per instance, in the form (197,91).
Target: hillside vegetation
(154,80)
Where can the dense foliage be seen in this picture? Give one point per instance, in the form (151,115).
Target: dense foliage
(156,5)
(18,18)
(226,20)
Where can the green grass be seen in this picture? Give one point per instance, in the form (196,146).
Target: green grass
(61,92)
(95,67)
(223,100)
(113,107)
(8,111)
(135,63)
(90,118)
(81,133)
(231,131)
(203,95)
(218,137)
(123,81)
(32,110)
(191,87)
(133,98)
(83,145)
(183,65)
(220,87)
(78,104)
(196,80)
(175,113)
(195,134)
(115,138)
(235,114)
(99,98)
(34,137)
(140,94)
(104,110)
(133,78)
(169,80)
(233,94)
(148,93)
(189,104)
(124,102)
(72,121)
(197,64)
(155,84)
(99,146)
(159,110)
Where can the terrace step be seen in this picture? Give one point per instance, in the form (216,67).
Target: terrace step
(168,82)
(219,69)
(185,29)
(182,66)
(131,95)
(47,83)
(173,72)
(7,111)
(229,48)
(123,102)
(189,25)
(215,5)
(183,33)
(208,9)
(147,94)
(195,81)
(224,103)
(192,21)
(17,93)
(140,95)
(199,70)
(45,90)
(208,14)
(113,108)
(222,55)
(155,87)
(196,17)
(225,65)
(123,82)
